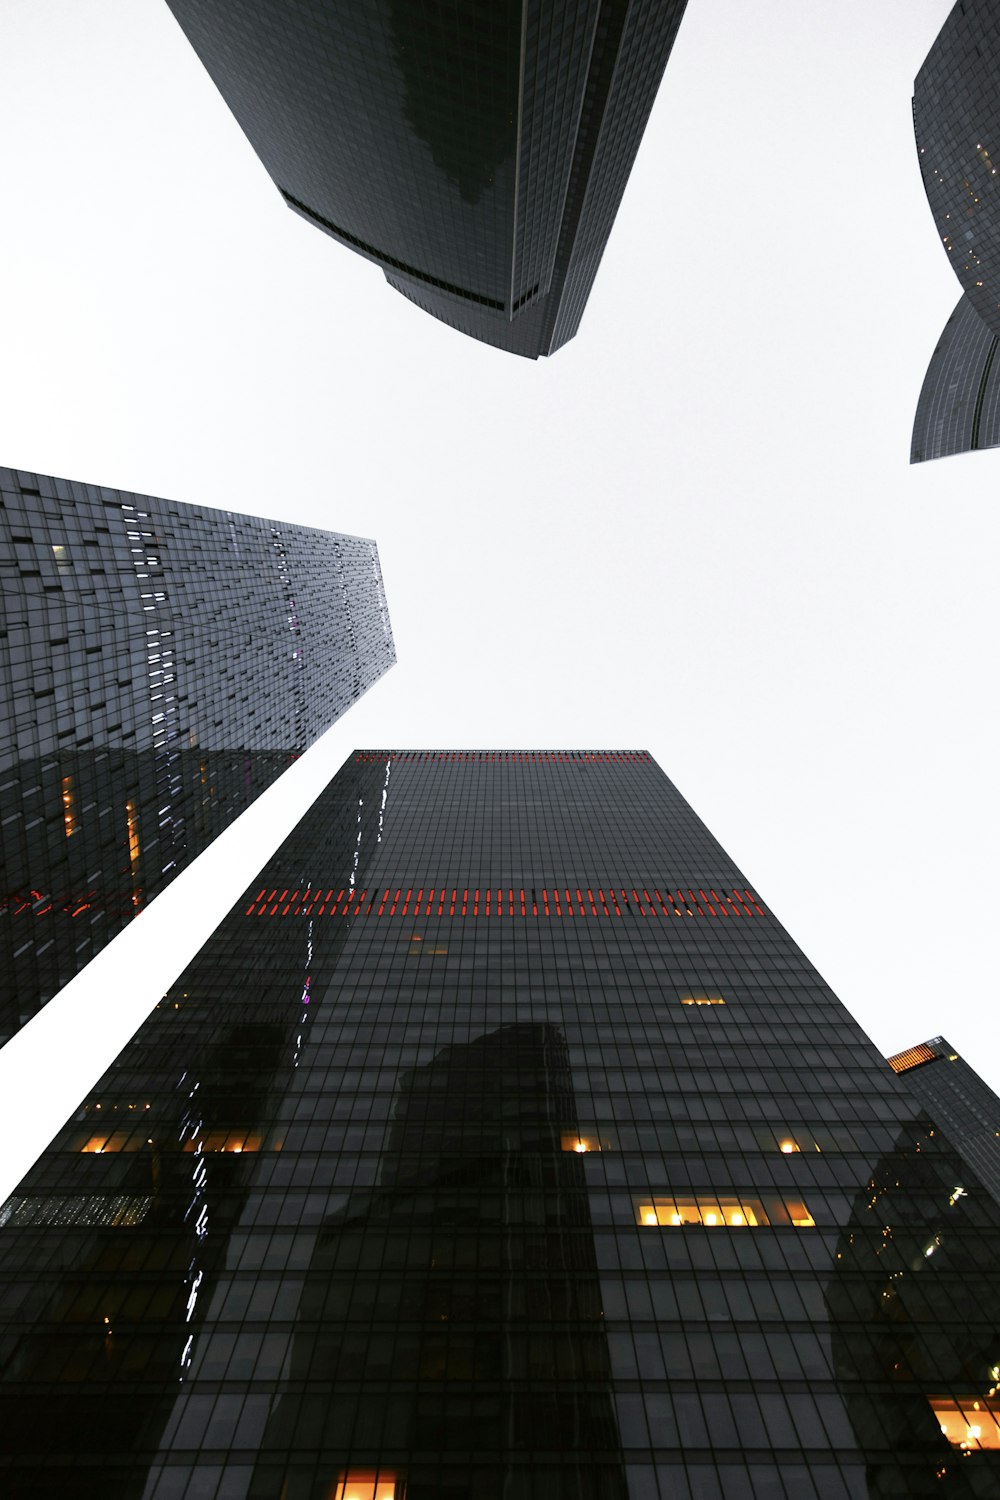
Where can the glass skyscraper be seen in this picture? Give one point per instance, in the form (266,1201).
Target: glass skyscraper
(160,665)
(500,1143)
(477,152)
(953,1092)
(956,119)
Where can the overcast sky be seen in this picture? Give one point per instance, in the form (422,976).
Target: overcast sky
(693,530)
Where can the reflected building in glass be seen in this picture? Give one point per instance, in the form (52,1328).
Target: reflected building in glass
(500,1144)
(478,152)
(956,118)
(161,664)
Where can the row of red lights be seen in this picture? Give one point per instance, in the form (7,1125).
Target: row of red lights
(310,902)
(518,757)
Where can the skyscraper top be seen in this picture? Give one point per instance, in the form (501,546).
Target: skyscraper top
(956,119)
(162,664)
(477,152)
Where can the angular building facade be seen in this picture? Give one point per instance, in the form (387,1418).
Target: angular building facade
(966,1107)
(959,406)
(500,1144)
(476,152)
(956,119)
(160,665)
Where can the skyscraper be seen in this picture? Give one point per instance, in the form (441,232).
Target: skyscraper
(959,406)
(955,1095)
(956,120)
(161,665)
(476,152)
(500,1144)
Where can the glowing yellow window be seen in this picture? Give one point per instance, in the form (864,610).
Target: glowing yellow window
(366,1484)
(584,1140)
(69,817)
(732,1213)
(703,1000)
(971,1423)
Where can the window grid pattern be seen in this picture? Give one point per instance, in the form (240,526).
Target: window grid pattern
(489,1209)
(956,120)
(162,664)
(959,406)
(477,152)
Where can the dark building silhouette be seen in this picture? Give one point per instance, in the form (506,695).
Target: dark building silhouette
(476,152)
(921,1373)
(162,665)
(500,1143)
(959,406)
(956,118)
(960,1102)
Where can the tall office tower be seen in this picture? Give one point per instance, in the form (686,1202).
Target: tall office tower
(965,1107)
(959,406)
(160,665)
(476,152)
(956,119)
(500,1145)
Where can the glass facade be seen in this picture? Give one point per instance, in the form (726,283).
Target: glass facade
(956,119)
(160,665)
(476,152)
(965,1106)
(500,1143)
(959,406)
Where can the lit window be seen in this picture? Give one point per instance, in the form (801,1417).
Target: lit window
(587,1138)
(223,1140)
(787,1147)
(133,834)
(703,1000)
(366,1484)
(712,1212)
(69,817)
(731,1212)
(968,1423)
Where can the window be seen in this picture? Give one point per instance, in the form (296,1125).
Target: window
(728,1212)
(366,1484)
(971,1423)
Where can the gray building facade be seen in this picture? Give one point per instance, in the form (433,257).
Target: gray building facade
(956,1097)
(160,665)
(477,152)
(956,120)
(959,406)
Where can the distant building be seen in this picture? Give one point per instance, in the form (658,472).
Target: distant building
(958,1100)
(477,152)
(161,665)
(500,1144)
(956,120)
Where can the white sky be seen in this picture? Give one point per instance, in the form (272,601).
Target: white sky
(693,530)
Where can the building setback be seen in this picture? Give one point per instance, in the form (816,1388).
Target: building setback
(958,1099)
(500,1143)
(476,152)
(956,121)
(160,665)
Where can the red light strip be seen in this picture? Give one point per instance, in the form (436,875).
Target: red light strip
(559,902)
